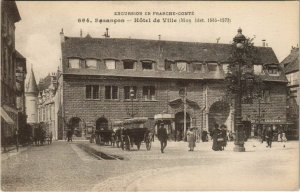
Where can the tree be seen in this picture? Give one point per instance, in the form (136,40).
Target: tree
(251,84)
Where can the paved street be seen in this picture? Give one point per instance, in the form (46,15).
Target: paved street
(66,167)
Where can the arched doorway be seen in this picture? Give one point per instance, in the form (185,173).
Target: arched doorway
(218,113)
(76,126)
(179,125)
(102,124)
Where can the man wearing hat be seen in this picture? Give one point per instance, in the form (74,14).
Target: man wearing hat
(162,137)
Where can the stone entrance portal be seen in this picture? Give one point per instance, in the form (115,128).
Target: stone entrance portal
(179,125)
(218,113)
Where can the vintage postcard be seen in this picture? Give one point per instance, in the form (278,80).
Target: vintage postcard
(149,96)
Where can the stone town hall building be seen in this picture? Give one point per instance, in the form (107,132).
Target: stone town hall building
(98,74)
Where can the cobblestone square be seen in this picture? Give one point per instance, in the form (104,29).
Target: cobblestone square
(64,166)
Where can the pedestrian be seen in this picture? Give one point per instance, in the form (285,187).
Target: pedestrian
(162,137)
(51,136)
(283,139)
(191,138)
(204,136)
(269,136)
(224,136)
(69,135)
(217,138)
(263,134)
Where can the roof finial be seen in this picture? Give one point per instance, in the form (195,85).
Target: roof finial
(106,33)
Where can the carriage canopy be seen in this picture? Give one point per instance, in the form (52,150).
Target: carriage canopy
(138,122)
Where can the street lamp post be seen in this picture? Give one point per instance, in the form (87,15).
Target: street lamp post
(239,41)
(131,97)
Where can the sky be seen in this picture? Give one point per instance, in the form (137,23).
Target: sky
(37,34)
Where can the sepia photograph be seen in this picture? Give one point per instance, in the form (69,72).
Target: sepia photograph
(149,95)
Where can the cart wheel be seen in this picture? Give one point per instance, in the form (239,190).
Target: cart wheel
(122,144)
(148,145)
(128,143)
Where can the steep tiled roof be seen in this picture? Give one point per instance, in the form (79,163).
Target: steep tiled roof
(19,55)
(154,49)
(157,50)
(291,62)
(31,86)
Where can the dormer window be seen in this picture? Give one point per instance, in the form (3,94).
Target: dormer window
(110,64)
(225,67)
(257,69)
(181,65)
(147,65)
(273,71)
(74,63)
(197,67)
(128,64)
(212,66)
(91,63)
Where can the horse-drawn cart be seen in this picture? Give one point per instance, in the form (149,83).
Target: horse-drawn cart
(136,131)
(104,136)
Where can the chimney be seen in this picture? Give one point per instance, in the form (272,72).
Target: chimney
(62,36)
(263,42)
(80,32)
(159,37)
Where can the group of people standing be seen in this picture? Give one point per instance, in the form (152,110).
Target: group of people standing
(267,134)
(219,137)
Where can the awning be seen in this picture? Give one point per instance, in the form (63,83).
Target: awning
(136,120)
(10,109)
(117,123)
(273,123)
(164,116)
(6,117)
(178,102)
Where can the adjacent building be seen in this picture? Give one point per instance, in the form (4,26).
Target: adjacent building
(106,80)
(21,71)
(31,95)
(291,69)
(9,113)
(47,104)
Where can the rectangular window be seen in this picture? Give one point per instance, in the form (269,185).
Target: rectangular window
(197,67)
(168,65)
(111,92)
(295,78)
(212,66)
(110,64)
(273,71)
(127,92)
(44,111)
(74,63)
(149,92)
(91,63)
(127,64)
(92,92)
(147,65)
(225,68)
(266,95)
(182,66)
(257,69)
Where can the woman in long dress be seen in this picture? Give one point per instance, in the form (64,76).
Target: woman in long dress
(217,138)
(191,139)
